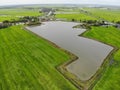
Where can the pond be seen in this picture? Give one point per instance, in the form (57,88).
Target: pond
(91,53)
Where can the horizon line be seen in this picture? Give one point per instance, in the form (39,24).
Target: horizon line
(58,4)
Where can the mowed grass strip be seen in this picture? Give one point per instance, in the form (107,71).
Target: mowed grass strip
(27,62)
(111,78)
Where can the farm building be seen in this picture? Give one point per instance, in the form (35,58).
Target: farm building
(49,14)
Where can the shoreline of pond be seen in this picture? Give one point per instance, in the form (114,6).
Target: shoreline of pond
(62,68)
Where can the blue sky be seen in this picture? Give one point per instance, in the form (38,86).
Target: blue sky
(11,2)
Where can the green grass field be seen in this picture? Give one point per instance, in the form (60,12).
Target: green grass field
(8,14)
(77,17)
(107,14)
(27,62)
(111,78)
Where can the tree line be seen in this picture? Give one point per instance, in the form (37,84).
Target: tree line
(27,20)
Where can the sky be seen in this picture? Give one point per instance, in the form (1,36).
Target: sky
(14,2)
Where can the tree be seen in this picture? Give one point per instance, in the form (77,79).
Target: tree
(118,22)
(6,23)
(73,20)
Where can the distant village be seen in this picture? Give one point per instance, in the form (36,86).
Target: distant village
(48,14)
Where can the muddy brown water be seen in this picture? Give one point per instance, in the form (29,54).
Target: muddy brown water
(91,53)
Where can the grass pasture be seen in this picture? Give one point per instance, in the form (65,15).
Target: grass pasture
(8,14)
(111,78)
(27,62)
(107,14)
(77,17)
